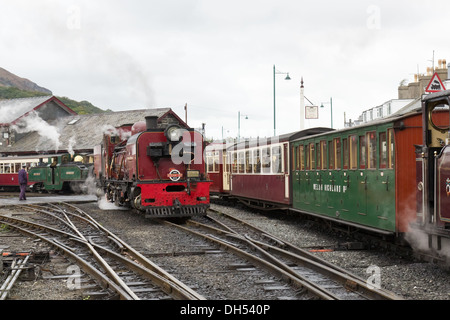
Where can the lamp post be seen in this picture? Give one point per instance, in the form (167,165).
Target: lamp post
(274,113)
(239,125)
(331,110)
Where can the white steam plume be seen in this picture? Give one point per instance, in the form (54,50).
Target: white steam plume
(72,142)
(47,132)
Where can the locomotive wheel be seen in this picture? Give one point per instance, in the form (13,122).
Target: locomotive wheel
(136,198)
(119,199)
(137,202)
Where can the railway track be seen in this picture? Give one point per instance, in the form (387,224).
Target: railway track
(119,271)
(297,267)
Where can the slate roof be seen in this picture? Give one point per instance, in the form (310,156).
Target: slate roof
(82,132)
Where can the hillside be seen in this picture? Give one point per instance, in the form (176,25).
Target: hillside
(8,79)
(80,107)
(13,87)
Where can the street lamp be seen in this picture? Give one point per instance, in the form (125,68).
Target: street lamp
(239,124)
(331,110)
(274,114)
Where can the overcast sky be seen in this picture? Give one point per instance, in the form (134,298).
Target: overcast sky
(218,56)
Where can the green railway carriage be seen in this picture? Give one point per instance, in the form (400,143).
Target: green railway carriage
(351,175)
(60,173)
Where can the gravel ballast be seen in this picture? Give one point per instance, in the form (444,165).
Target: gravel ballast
(409,279)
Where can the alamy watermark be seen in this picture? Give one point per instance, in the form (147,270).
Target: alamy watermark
(73,21)
(373,21)
(74,279)
(374,280)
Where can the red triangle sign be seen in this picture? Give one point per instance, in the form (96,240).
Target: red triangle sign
(435,84)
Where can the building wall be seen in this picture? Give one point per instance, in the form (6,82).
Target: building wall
(416,89)
(52,111)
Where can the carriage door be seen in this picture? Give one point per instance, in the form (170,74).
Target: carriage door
(286,170)
(226,172)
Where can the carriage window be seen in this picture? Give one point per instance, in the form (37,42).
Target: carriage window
(345,152)
(337,148)
(276,159)
(216,161)
(266,160)
(241,163)
(209,162)
(362,152)
(383,150)
(308,158)
(353,152)
(226,162)
(312,154)
(319,157)
(234,163)
(248,162)
(294,159)
(257,163)
(323,147)
(332,156)
(301,155)
(391,148)
(371,141)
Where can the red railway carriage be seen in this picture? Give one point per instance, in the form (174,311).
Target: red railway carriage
(260,170)
(157,171)
(217,168)
(9,170)
(407,133)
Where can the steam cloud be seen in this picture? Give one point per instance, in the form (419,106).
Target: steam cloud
(48,133)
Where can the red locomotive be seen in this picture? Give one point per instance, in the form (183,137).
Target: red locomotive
(159,171)
(433,178)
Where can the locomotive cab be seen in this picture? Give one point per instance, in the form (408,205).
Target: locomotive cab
(433,172)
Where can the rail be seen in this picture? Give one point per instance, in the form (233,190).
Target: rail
(73,243)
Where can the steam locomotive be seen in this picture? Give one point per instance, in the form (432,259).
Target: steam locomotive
(47,173)
(60,173)
(433,178)
(157,171)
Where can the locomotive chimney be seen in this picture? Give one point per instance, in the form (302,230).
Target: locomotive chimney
(151,122)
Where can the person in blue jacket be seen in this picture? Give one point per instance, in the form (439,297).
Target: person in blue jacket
(23,180)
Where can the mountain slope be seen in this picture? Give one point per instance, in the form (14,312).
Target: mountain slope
(8,79)
(13,87)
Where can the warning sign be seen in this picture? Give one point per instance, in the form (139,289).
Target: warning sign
(435,84)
